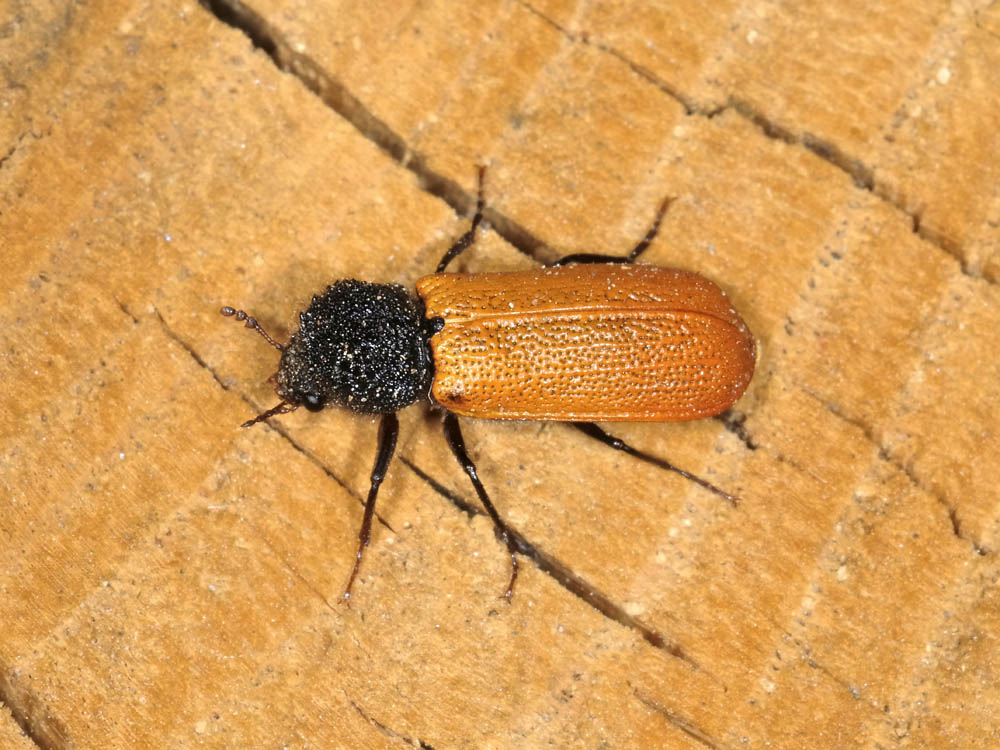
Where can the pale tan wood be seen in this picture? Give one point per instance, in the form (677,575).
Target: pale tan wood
(170,581)
(11,735)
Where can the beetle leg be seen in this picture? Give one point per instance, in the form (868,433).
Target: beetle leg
(588,258)
(653,230)
(465,241)
(636,251)
(388,431)
(453,434)
(591,429)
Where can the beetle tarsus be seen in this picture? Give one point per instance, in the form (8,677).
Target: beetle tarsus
(464,242)
(631,257)
(591,429)
(653,230)
(513,575)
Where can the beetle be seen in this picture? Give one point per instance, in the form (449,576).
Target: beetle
(589,338)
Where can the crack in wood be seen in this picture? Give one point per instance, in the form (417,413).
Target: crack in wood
(885,454)
(291,568)
(956,527)
(862,174)
(686,726)
(16,145)
(28,711)
(391,733)
(335,95)
(690,107)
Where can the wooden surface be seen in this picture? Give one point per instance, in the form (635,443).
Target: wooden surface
(169,580)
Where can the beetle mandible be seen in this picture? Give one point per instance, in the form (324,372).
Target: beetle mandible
(589,338)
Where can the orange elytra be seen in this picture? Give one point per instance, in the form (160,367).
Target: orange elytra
(608,342)
(589,338)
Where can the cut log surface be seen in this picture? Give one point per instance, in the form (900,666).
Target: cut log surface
(168,580)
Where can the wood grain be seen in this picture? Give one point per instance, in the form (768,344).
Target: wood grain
(171,581)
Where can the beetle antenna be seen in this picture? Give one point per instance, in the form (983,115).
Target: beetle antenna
(251,322)
(283,408)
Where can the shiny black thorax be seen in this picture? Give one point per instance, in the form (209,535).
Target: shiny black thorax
(360,345)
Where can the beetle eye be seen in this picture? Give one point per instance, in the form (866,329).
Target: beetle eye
(312,402)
